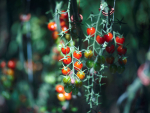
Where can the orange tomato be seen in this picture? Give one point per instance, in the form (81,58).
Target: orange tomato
(55,35)
(81,74)
(68,96)
(61,97)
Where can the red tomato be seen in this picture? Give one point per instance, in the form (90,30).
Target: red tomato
(52,26)
(64,28)
(65,50)
(77,54)
(100,39)
(11,64)
(55,35)
(59,57)
(110,49)
(110,59)
(65,70)
(3,64)
(59,88)
(64,15)
(62,23)
(68,96)
(121,50)
(108,37)
(78,65)
(120,40)
(91,31)
(67,60)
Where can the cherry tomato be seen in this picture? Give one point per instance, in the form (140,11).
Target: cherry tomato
(89,63)
(62,22)
(108,37)
(113,68)
(77,54)
(59,88)
(88,53)
(52,26)
(75,90)
(101,59)
(122,61)
(110,59)
(67,80)
(97,66)
(64,15)
(81,74)
(55,35)
(110,48)
(120,69)
(61,97)
(64,28)
(67,96)
(91,31)
(10,72)
(67,36)
(59,57)
(67,60)
(65,70)
(78,65)
(11,64)
(78,83)
(68,88)
(65,50)
(100,39)
(121,50)
(120,40)
(3,64)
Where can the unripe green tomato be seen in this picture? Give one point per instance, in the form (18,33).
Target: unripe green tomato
(101,59)
(7,83)
(68,88)
(78,83)
(10,77)
(67,80)
(72,43)
(67,36)
(75,90)
(97,66)
(89,63)
(113,68)
(120,69)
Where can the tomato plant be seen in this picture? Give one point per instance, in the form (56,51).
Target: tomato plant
(91,31)
(67,80)
(59,88)
(101,59)
(89,63)
(52,26)
(120,40)
(77,54)
(88,53)
(65,70)
(97,66)
(68,88)
(81,74)
(100,40)
(108,37)
(110,48)
(78,65)
(78,83)
(121,50)
(67,60)
(65,50)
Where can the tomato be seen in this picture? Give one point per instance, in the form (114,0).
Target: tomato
(3,64)
(100,39)
(122,61)
(68,88)
(11,64)
(110,59)
(120,40)
(65,50)
(61,97)
(78,83)
(113,68)
(108,37)
(75,90)
(65,70)
(64,28)
(97,66)
(55,35)
(78,65)
(10,72)
(67,36)
(64,15)
(81,74)
(101,59)
(91,31)
(88,53)
(67,60)
(120,69)
(62,22)
(59,88)
(59,57)
(110,48)
(52,26)
(89,63)
(121,50)
(67,96)
(77,54)
(67,80)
